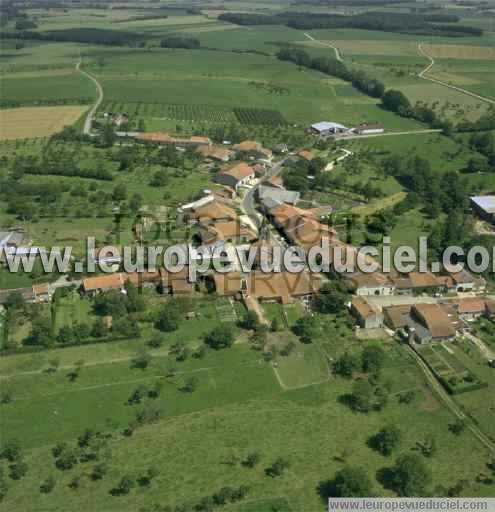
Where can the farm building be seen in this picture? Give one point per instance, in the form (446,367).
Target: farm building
(328,128)
(162,138)
(484,207)
(236,176)
(367,315)
(176,283)
(432,322)
(369,129)
(41,293)
(470,308)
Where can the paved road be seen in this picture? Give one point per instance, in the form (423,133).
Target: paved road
(448,401)
(89,118)
(328,45)
(247,204)
(387,134)
(445,84)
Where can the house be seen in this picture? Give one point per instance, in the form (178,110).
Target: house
(141,279)
(306,154)
(41,293)
(470,308)
(463,281)
(103,283)
(233,232)
(373,283)
(215,153)
(283,287)
(229,284)
(484,207)
(300,227)
(328,128)
(278,194)
(417,283)
(368,315)
(368,129)
(236,176)
(253,149)
(211,212)
(176,283)
(274,181)
(431,322)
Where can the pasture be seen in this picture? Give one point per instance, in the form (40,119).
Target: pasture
(239,408)
(33,122)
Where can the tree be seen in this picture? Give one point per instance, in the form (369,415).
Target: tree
(331,299)
(386,440)
(411,476)
(11,451)
(250,321)
(278,467)
(168,318)
(18,470)
(351,482)
(15,301)
(48,485)
(4,486)
(67,460)
(107,136)
(373,358)
(127,482)
(365,397)
(346,365)
(141,360)
(220,337)
(190,385)
(396,101)
(306,328)
(119,192)
(99,471)
(252,460)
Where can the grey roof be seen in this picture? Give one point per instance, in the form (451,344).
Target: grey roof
(270,203)
(278,194)
(486,203)
(328,125)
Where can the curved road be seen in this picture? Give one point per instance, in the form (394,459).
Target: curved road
(450,403)
(89,118)
(421,74)
(328,45)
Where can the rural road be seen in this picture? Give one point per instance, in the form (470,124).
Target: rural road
(444,397)
(387,134)
(89,118)
(328,45)
(422,74)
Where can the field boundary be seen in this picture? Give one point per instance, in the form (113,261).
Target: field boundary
(428,68)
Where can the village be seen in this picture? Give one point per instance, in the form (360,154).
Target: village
(247,206)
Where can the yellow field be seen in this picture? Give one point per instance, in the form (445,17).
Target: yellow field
(454,51)
(31,122)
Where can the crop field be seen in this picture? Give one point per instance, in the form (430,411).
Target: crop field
(202,113)
(27,123)
(454,51)
(442,358)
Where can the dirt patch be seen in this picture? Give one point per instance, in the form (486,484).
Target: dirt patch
(429,403)
(31,122)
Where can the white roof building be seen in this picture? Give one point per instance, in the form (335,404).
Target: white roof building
(328,127)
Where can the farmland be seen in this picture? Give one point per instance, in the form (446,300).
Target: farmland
(18,123)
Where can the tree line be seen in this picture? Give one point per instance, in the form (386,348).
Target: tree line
(190,43)
(381,21)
